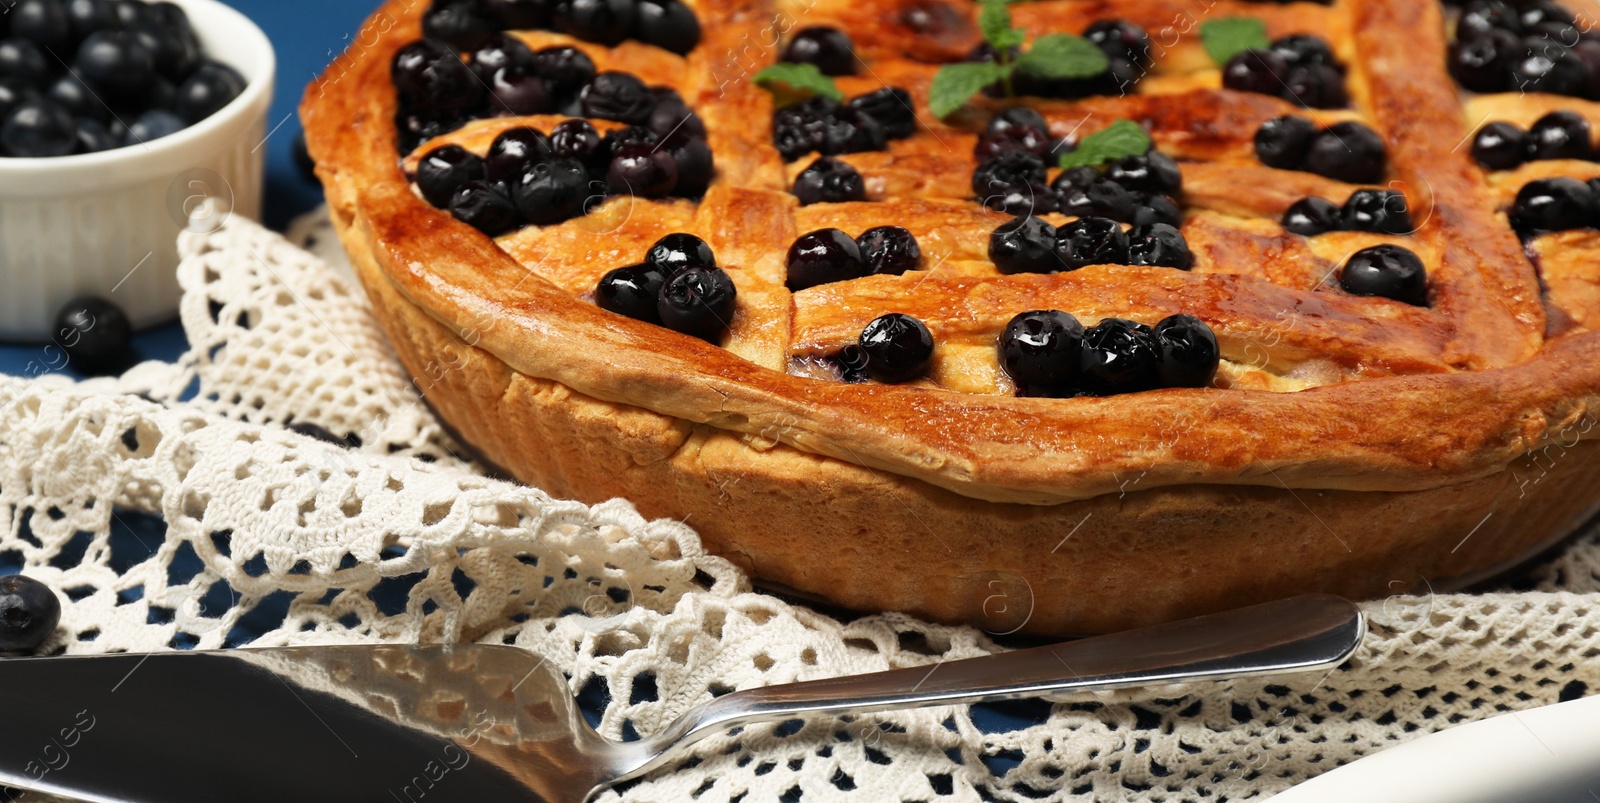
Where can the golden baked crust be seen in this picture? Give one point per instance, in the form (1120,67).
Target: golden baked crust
(1407,430)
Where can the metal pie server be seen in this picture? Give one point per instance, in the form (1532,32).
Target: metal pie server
(492,723)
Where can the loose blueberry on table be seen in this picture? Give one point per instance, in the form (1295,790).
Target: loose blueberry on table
(96,335)
(92,75)
(29,613)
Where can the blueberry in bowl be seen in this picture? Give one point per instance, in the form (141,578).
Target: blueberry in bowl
(146,123)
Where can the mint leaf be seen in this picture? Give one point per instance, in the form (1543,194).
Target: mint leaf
(1227,37)
(994,19)
(1063,55)
(954,83)
(801,78)
(1119,140)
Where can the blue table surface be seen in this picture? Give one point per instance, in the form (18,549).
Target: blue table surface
(306,35)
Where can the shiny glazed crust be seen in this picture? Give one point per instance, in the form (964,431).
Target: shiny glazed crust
(1426,444)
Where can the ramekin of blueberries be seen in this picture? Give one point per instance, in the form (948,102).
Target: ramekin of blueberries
(117,119)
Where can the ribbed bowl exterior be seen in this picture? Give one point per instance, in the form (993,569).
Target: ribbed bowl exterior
(107,224)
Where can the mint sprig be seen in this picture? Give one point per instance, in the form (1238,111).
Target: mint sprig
(1227,37)
(801,79)
(1063,56)
(1058,56)
(1119,140)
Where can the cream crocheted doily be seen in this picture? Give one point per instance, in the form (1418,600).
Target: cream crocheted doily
(276,538)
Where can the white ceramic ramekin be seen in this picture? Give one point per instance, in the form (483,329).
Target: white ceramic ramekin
(107,223)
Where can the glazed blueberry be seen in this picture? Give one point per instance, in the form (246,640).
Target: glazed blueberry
(1025,245)
(512,154)
(1259,71)
(463,26)
(577,139)
(1153,172)
(118,64)
(1552,204)
(646,171)
(1500,146)
(22,60)
(899,348)
(500,52)
(1101,198)
(1188,353)
(801,128)
(43,22)
(673,117)
(1091,241)
(631,135)
(891,108)
(1484,63)
(634,291)
(77,99)
(1156,209)
(828,48)
(1301,50)
(29,613)
(695,164)
(889,249)
(95,334)
(1348,152)
(87,16)
(134,12)
(1388,271)
(1318,86)
(1118,356)
(444,170)
(608,22)
(515,15)
(1016,117)
(1379,211)
(678,251)
(1039,350)
(698,302)
(484,207)
(567,70)
(617,96)
(1008,170)
(1079,177)
(430,78)
(516,94)
(1549,69)
(829,180)
(1283,142)
(1535,14)
(1120,39)
(551,191)
(1484,16)
(1309,217)
(1027,139)
(1559,135)
(822,257)
(154,124)
(849,131)
(93,136)
(38,128)
(669,25)
(1159,245)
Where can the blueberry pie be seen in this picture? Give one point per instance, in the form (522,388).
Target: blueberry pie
(1130,310)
